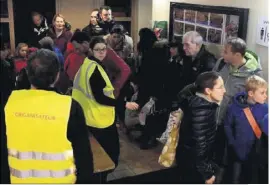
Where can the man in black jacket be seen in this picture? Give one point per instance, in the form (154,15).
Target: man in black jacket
(43,70)
(39,29)
(105,19)
(197,59)
(93,29)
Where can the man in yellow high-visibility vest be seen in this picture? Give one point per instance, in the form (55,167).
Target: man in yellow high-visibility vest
(47,137)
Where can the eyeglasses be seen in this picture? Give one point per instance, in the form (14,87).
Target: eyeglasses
(100,50)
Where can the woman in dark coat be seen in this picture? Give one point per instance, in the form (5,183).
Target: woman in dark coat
(151,80)
(194,154)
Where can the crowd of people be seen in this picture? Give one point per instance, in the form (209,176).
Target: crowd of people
(62,86)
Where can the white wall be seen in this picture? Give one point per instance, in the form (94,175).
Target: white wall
(257,8)
(145,13)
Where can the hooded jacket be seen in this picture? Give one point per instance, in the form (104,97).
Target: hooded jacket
(234,80)
(123,48)
(38,32)
(237,128)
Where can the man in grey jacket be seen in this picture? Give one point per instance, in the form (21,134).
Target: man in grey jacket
(235,67)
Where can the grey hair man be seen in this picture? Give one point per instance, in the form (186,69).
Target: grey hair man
(196,59)
(192,43)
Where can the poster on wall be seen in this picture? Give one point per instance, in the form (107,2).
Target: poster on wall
(160,28)
(262,34)
(215,24)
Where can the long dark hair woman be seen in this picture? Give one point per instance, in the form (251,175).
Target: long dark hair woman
(194,156)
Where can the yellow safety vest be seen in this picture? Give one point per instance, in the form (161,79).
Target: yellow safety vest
(38,148)
(96,115)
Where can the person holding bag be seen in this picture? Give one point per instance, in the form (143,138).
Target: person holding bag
(247,134)
(194,152)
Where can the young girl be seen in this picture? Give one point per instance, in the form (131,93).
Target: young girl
(20,57)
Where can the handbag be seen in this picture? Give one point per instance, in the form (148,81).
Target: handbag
(171,136)
(147,109)
(174,119)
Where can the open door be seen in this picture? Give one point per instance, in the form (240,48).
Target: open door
(23,19)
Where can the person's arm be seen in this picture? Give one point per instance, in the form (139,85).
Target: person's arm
(199,122)
(66,63)
(264,122)
(122,71)
(264,125)
(228,126)
(97,84)
(129,47)
(78,135)
(69,35)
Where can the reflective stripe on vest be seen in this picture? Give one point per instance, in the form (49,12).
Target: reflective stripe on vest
(79,88)
(38,148)
(40,173)
(40,155)
(78,79)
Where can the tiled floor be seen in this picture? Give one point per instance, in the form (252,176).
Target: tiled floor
(134,161)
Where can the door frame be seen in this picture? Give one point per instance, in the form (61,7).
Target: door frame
(10,21)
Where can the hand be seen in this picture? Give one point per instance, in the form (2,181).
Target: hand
(132,106)
(211,180)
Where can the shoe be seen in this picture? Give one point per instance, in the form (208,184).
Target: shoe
(148,145)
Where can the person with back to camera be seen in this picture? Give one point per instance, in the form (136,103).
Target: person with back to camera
(47,137)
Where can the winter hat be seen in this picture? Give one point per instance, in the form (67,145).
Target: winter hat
(80,37)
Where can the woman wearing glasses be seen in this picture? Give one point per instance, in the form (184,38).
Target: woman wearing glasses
(93,89)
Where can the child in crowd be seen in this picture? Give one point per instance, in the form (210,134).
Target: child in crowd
(20,57)
(245,136)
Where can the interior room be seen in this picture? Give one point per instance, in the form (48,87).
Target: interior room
(215,21)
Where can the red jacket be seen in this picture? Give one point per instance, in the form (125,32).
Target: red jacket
(61,41)
(70,49)
(118,70)
(72,64)
(19,64)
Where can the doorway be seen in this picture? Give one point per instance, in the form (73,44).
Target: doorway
(22,16)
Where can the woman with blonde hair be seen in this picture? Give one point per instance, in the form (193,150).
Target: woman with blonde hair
(59,32)
(20,57)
